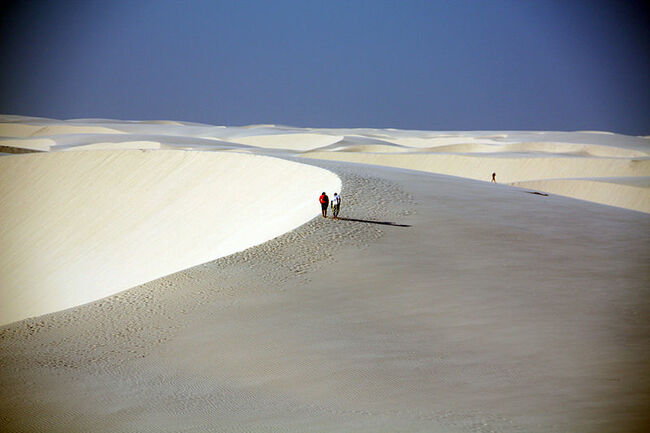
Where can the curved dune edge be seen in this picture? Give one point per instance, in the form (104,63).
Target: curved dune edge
(122,145)
(295,141)
(547,148)
(21,130)
(37,144)
(597,191)
(508,169)
(79,226)
(516,170)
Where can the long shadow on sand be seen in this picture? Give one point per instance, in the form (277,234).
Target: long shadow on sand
(385,223)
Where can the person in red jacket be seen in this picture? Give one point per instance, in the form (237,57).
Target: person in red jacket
(324,202)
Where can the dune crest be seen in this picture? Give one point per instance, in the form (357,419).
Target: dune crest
(629,196)
(300,142)
(37,144)
(122,145)
(435,303)
(515,156)
(79,226)
(24,130)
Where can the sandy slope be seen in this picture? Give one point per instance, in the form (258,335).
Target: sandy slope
(436,304)
(297,141)
(512,169)
(26,130)
(79,226)
(614,192)
(565,158)
(557,175)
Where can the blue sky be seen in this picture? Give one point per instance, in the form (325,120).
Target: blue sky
(437,65)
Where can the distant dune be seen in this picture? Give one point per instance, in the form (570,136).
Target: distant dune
(584,165)
(295,141)
(178,277)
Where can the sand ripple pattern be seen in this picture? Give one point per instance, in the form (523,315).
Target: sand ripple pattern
(482,308)
(104,346)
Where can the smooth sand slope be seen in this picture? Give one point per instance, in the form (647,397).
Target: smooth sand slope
(296,141)
(79,226)
(429,309)
(586,165)
(592,179)
(435,304)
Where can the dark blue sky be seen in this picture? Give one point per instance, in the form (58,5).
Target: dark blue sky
(439,65)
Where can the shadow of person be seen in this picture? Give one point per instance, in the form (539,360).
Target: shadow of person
(385,223)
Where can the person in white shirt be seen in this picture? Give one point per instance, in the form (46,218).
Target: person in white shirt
(336,205)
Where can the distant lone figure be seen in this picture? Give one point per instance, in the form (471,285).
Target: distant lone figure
(336,205)
(324,202)
(494,178)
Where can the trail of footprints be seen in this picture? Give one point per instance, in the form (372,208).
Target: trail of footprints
(106,334)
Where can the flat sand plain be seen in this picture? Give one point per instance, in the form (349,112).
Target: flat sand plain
(435,304)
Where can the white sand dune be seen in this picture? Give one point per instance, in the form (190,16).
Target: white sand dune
(613,193)
(122,145)
(432,142)
(515,162)
(23,127)
(79,226)
(435,304)
(356,143)
(367,148)
(40,144)
(297,142)
(51,130)
(597,132)
(516,156)
(551,148)
(509,168)
(118,141)
(20,130)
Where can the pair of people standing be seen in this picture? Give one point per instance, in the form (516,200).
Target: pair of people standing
(335,203)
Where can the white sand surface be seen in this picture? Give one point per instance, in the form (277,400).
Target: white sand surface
(18,130)
(557,175)
(28,130)
(515,168)
(438,305)
(122,145)
(39,144)
(435,304)
(635,196)
(79,226)
(552,167)
(300,142)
